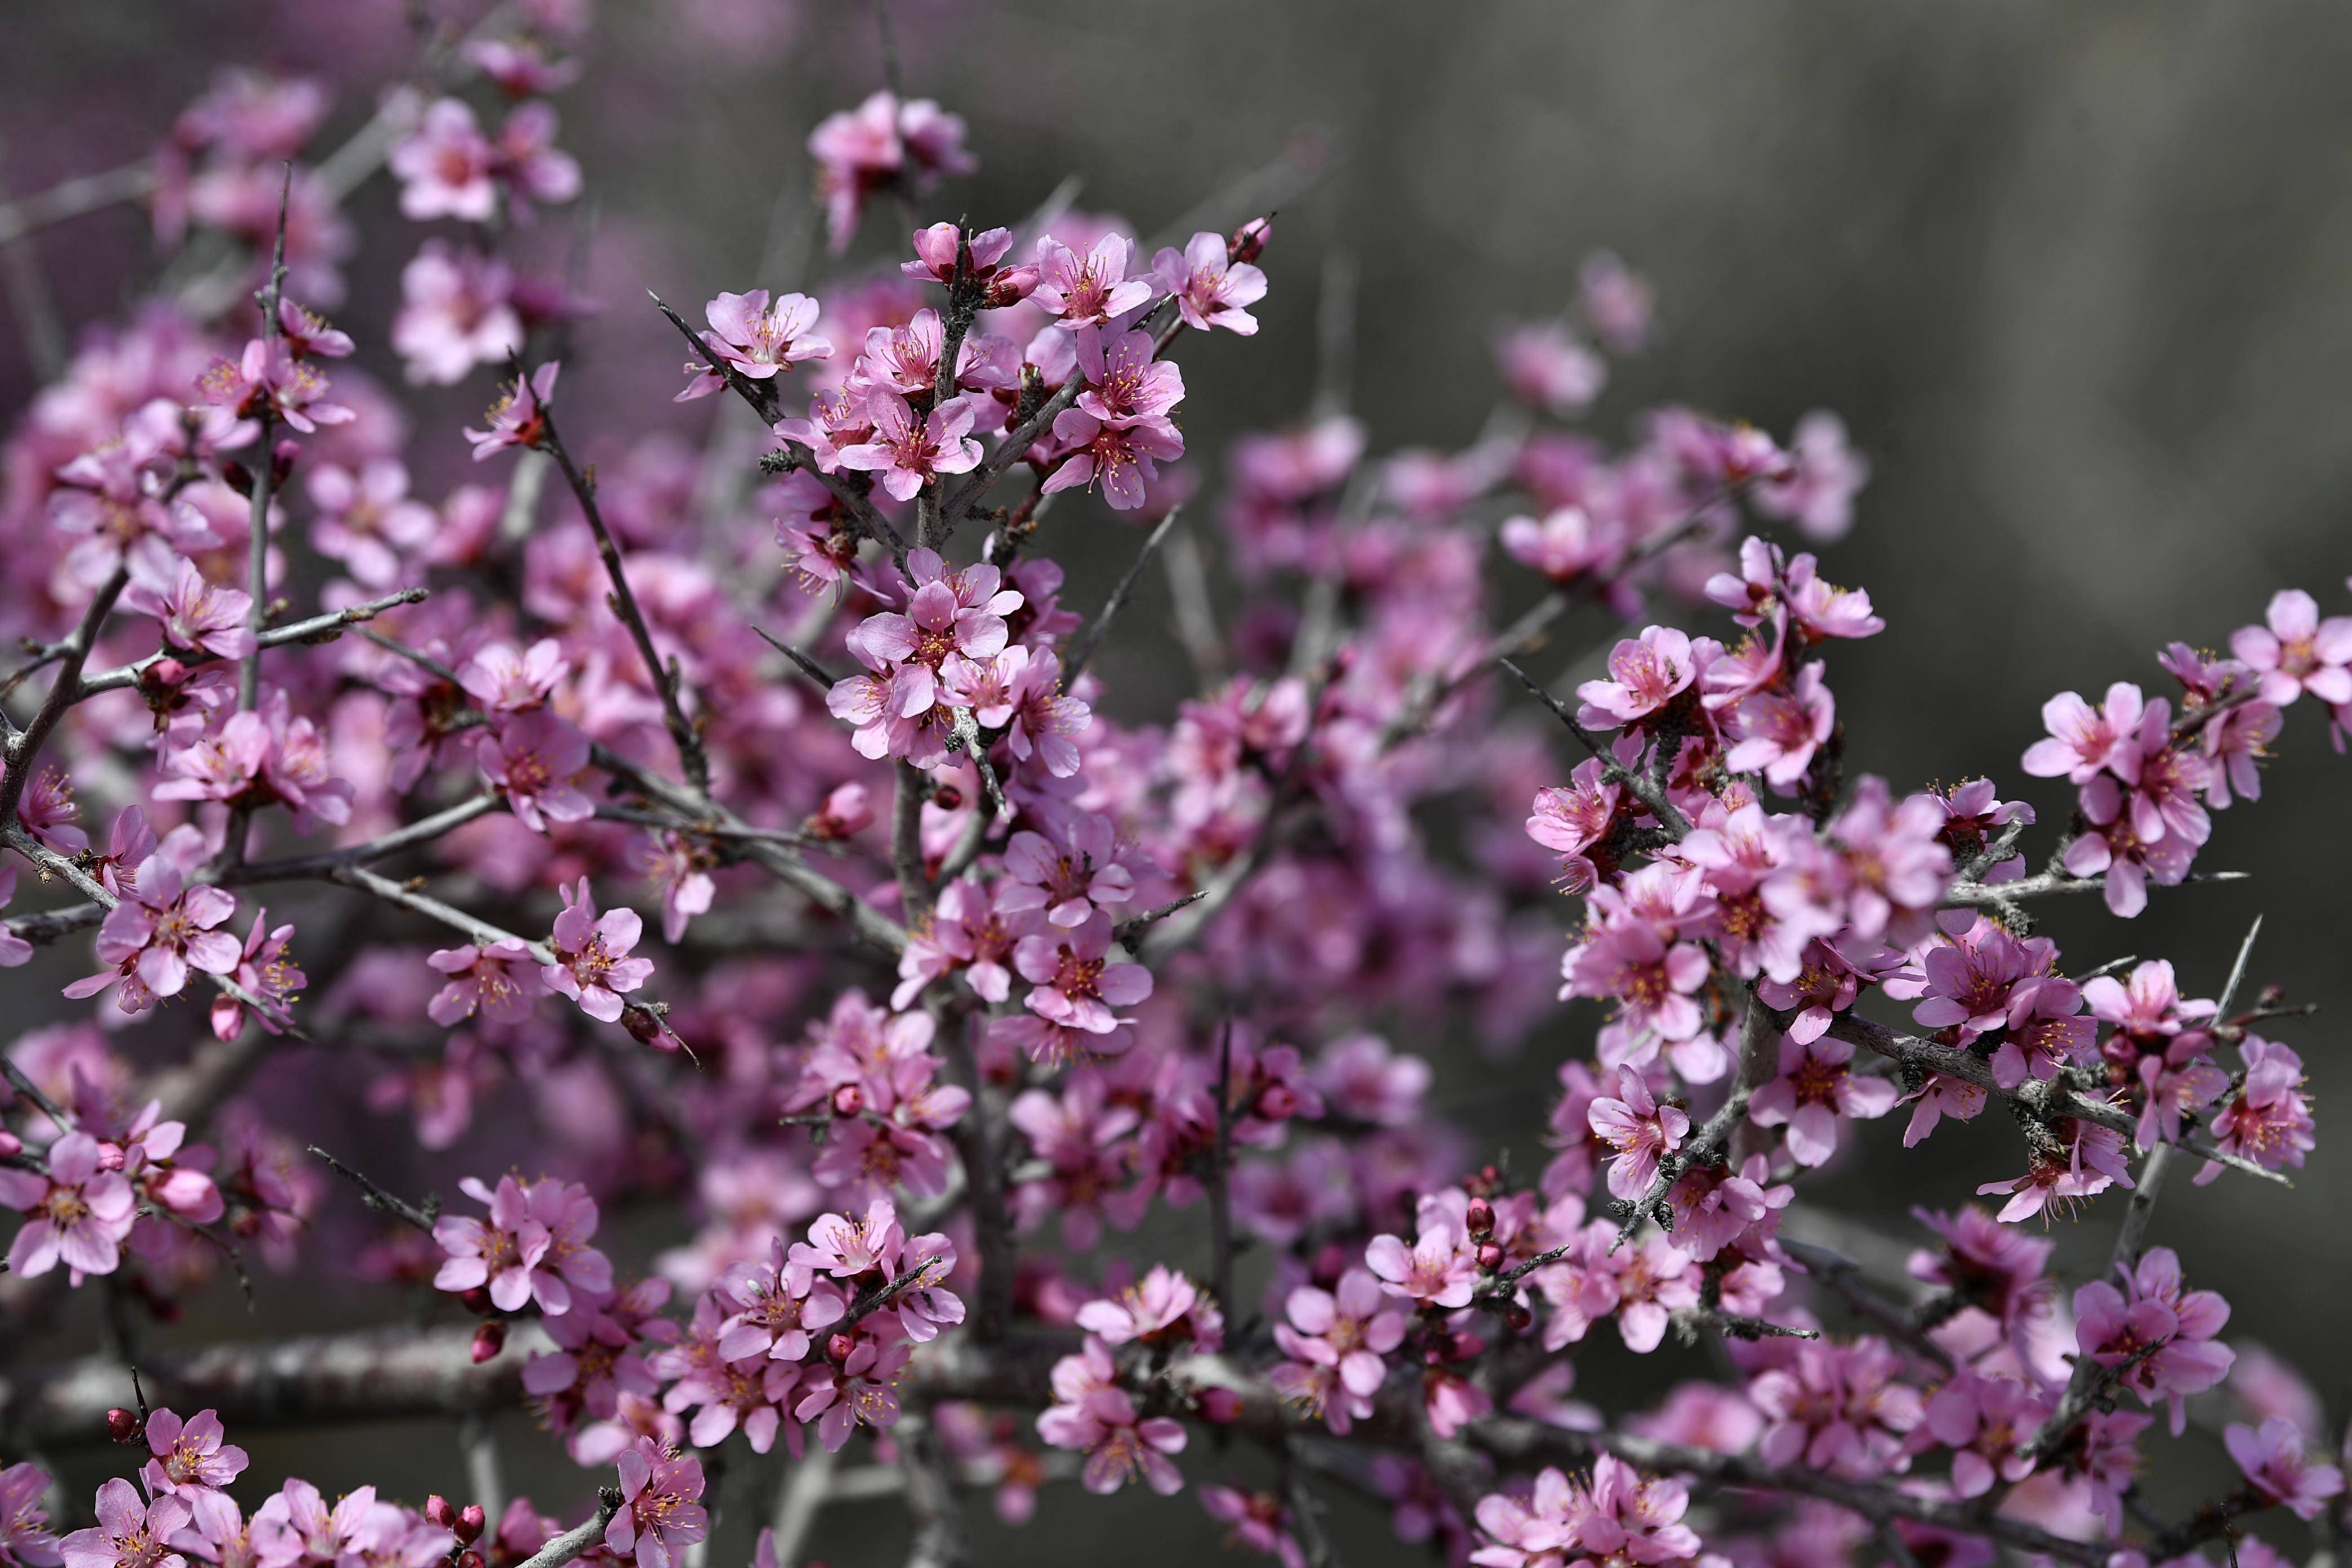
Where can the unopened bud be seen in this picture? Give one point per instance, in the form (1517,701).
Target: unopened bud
(471,1520)
(1279,1102)
(489,1339)
(1249,242)
(124,1425)
(1517,1316)
(439,1511)
(1011,286)
(1465,1346)
(476,1301)
(10,1144)
(838,1346)
(848,1099)
(110,1156)
(1490,1257)
(1220,1406)
(947,798)
(1481,1218)
(470,1558)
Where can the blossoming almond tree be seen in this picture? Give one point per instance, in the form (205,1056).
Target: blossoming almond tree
(947,950)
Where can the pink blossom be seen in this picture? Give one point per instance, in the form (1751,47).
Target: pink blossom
(592,966)
(1616,302)
(1655,983)
(527,162)
(195,614)
(1816,492)
(2275,1462)
(445,167)
(1259,1521)
(457,312)
(1166,1308)
(1088,289)
(1837,1409)
(78,1213)
(128,1533)
(162,930)
(1073,981)
(1211,288)
(2084,1161)
(1336,1340)
(1815,1091)
(189,1459)
(482,979)
(1545,365)
(2155,1322)
(1439,1270)
(1569,543)
(2083,739)
(2268,1119)
(1118,1444)
(910,456)
(1985,1422)
(1126,386)
(1777,734)
(2297,652)
(1644,676)
(266,971)
(267,376)
(755,338)
(535,759)
(1122,460)
(660,1514)
(1640,1130)
(24,1540)
(862,1392)
(367,521)
(518,417)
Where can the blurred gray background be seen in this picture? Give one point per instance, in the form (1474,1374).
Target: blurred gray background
(2079,279)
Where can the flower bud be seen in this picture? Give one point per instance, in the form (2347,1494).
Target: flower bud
(10,1144)
(110,1157)
(1011,286)
(1490,1257)
(1249,242)
(470,1558)
(1465,1346)
(471,1520)
(1220,1406)
(477,1301)
(1481,1219)
(124,1425)
(838,1346)
(489,1339)
(848,1099)
(1279,1103)
(439,1511)
(1517,1316)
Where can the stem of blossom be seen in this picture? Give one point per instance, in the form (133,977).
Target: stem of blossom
(580,1537)
(2090,1381)
(381,1199)
(1196,617)
(1994,895)
(824,681)
(1127,931)
(1733,1326)
(869,925)
(1335,336)
(1221,1194)
(316,629)
(423,830)
(1643,788)
(485,1474)
(1306,1513)
(683,731)
(968,740)
(32,1092)
(979,1145)
(764,401)
(65,688)
(34,306)
(803,1498)
(1841,1276)
(932,524)
(907,841)
(256,553)
(2046,1102)
(1083,646)
(72,198)
(940,1540)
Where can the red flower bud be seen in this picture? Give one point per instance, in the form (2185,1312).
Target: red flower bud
(1249,242)
(848,1099)
(470,1560)
(471,1520)
(440,1512)
(489,1339)
(1481,1218)
(1490,1257)
(1517,1316)
(1277,1103)
(838,1346)
(124,1425)
(1221,1406)
(477,1301)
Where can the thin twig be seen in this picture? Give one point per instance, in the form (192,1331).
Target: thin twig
(1643,787)
(1083,646)
(383,1200)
